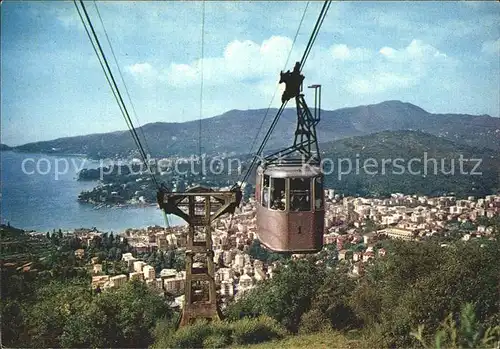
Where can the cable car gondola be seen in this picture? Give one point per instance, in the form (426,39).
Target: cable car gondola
(289,183)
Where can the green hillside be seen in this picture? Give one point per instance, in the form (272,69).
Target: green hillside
(409,162)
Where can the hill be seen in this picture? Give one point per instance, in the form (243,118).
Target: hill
(409,162)
(4,147)
(234,131)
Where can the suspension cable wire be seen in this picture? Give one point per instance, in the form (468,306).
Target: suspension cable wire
(165,216)
(202,58)
(99,58)
(277,85)
(122,79)
(114,87)
(315,29)
(167,223)
(106,72)
(296,34)
(276,90)
(319,22)
(102,59)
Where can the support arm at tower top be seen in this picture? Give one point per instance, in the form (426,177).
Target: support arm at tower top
(293,81)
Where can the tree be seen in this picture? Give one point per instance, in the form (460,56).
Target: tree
(179,261)
(370,226)
(332,299)
(123,318)
(56,302)
(285,297)
(419,283)
(12,330)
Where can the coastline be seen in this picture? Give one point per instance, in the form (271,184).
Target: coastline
(98,206)
(43,201)
(59,154)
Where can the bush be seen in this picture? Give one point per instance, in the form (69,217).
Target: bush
(222,328)
(221,333)
(164,331)
(465,332)
(313,321)
(420,283)
(285,297)
(261,329)
(216,340)
(188,336)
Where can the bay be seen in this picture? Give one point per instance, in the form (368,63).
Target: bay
(39,192)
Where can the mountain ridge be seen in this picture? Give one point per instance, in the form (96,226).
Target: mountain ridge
(234,131)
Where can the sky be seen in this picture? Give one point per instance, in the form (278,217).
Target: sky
(442,56)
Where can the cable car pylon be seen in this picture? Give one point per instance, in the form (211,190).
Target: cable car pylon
(199,207)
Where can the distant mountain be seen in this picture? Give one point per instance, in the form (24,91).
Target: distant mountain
(4,147)
(235,131)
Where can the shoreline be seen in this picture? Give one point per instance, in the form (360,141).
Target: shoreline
(96,206)
(81,230)
(62,154)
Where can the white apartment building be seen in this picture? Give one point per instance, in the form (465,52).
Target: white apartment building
(138,265)
(118,280)
(227,288)
(149,272)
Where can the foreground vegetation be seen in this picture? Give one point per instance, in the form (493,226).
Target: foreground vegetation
(321,340)
(47,299)
(419,295)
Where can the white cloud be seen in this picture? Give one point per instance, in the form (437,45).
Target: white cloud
(144,73)
(399,68)
(380,82)
(141,69)
(491,47)
(344,53)
(415,51)
(340,51)
(256,66)
(241,61)
(388,52)
(181,74)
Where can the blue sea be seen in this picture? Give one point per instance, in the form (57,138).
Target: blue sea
(39,192)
